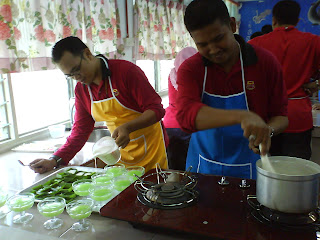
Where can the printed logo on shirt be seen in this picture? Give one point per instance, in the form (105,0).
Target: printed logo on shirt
(116,92)
(250,85)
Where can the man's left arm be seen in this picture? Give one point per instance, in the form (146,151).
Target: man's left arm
(146,101)
(121,133)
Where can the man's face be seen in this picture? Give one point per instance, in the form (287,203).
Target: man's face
(216,42)
(76,67)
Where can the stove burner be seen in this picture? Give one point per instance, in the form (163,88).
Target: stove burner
(284,220)
(172,190)
(183,201)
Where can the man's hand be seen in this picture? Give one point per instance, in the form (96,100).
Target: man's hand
(121,135)
(257,131)
(310,88)
(316,106)
(42,165)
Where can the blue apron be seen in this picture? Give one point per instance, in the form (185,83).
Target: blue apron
(223,151)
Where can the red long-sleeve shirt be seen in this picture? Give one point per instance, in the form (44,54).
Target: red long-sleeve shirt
(134,90)
(299,54)
(265,88)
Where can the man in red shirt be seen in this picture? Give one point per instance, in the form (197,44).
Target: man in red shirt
(299,54)
(116,92)
(228,92)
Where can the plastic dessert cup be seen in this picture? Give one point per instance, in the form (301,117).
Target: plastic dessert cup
(79,210)
(123,182)
(3,200)
(115,170)
(101,194)
(102,179)
(52,207)
(20,203)
(135,170)
(81,187)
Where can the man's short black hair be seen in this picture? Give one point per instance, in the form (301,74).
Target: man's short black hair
(286,12)
(266,29)
(71,44)
(256,34)
(201,13)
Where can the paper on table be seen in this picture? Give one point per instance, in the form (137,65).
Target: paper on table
(38,146)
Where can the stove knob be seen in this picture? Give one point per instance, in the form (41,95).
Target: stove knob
(223,181)
(244,184)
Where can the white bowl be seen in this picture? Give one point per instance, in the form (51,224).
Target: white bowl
(57,131)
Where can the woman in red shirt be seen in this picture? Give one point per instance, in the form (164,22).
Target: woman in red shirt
(178,139)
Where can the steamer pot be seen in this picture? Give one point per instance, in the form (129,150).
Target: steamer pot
(293,188)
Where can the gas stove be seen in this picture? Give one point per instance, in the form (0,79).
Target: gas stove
(213,207)
(289,221)
(172,190)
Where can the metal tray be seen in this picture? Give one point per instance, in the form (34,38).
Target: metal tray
(54,175)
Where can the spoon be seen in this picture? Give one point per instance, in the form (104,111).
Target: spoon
(266,164)
(25,165)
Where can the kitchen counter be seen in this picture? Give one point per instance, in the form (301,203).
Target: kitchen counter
(223,202)
(14,178)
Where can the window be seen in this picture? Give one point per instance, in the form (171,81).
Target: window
(5,125)
(30,102)
(40,98)
(157,72)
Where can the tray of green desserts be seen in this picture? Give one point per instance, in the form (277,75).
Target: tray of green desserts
(102,185)
(59,183)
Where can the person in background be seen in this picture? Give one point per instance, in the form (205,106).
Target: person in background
(178,139)
(231,96)
(116,92)
(266,29)
(256,34)
(299,54)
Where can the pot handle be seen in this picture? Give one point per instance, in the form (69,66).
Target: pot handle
(251,203)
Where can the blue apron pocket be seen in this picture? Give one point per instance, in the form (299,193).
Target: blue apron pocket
(208,166)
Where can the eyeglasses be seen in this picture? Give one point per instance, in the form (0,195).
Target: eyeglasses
(76,71)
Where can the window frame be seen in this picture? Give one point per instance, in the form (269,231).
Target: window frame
(15,139)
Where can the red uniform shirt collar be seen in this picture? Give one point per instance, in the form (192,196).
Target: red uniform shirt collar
(289,28)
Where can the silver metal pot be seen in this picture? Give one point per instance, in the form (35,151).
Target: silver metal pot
(293,188)
(98,133)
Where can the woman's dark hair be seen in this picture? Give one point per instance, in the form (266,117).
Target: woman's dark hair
(71,44)
(286,12)
(201,13)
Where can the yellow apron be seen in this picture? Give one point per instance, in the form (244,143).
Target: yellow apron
(146,147)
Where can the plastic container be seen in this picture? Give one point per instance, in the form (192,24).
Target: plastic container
(57,131)
(106,150)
